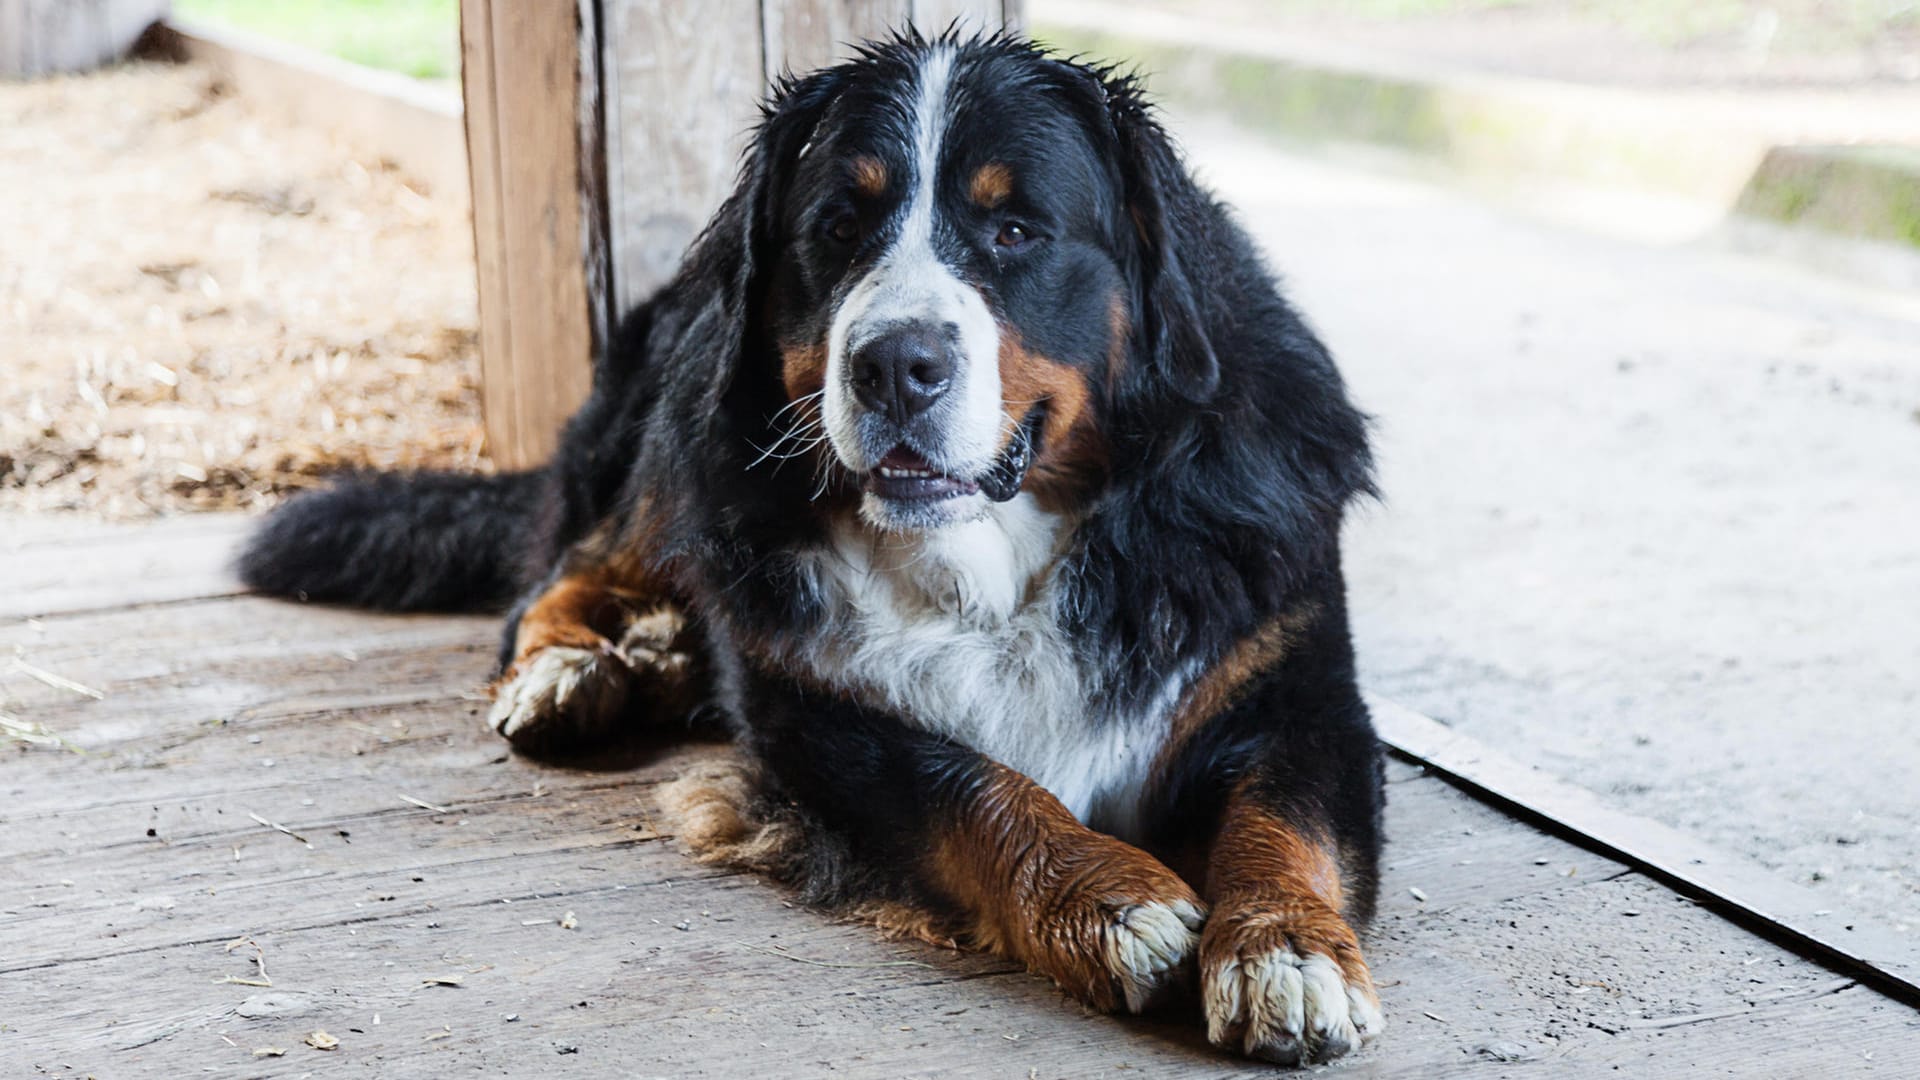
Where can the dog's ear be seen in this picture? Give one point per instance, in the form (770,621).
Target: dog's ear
(787,126)
(729,262)
(1170,220)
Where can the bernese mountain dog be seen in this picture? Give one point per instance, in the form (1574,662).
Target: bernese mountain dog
(975,471)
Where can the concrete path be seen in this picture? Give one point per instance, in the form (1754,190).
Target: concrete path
(1652,516)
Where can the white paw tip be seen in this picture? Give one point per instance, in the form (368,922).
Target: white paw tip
(1146,942)
(541,687)
(1287,1008)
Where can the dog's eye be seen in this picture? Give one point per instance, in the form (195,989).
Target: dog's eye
(1013,235)
(843,229)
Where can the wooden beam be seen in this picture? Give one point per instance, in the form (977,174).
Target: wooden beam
(415,125)
(933,16)
(681,83)
(1739,887)
(804,35)
(534,237)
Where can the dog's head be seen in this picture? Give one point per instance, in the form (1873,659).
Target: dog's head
(962,250)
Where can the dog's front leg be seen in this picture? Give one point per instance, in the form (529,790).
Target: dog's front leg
(931,822)
(1102,918)
(600,640)
(1281,972)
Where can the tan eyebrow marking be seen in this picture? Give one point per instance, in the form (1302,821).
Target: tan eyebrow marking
(991,185)
(869,176)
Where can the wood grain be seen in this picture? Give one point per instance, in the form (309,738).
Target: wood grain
(1748,890)
(533,235)
(682,85)
(1521,952)
(802,35)
(186,559)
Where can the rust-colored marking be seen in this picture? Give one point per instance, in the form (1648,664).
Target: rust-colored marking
(1223,685)
(1119,334)
(1256,852)
(1274,886)
(869,176)
(1038,886)
(992,184)
(803,369)
(1028,378)
(565,615)
(606,582)
(1073,451)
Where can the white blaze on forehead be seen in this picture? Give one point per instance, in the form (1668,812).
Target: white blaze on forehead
(929,131)
(910,284)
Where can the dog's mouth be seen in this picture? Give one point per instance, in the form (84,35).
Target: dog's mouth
(906,476)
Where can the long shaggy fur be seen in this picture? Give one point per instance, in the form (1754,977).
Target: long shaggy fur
(1190,500)
(400,542)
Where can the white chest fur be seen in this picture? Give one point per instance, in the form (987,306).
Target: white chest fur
(958,632)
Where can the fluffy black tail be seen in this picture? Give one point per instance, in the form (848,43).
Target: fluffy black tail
(401,542)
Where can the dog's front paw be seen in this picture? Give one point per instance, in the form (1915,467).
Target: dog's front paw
(1123,934)
(655,649)
(1284,981)
(560,695)
(576,693)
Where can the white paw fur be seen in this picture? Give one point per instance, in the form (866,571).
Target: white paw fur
(559,692)
(1147,943)
(1287,1008)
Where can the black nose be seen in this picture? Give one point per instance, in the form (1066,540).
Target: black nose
(901,372)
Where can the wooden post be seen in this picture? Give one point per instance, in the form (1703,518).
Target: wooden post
(40,37)
(534,239)
(602,135)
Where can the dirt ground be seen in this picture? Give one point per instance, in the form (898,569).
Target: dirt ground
(1747,44)
(203,309)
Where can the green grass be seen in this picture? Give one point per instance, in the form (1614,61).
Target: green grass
(1809,24)
(414,37)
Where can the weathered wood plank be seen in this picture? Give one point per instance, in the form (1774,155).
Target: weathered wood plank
(710,1000)
(682,86)
(113,943)
(176,671)
(532,233)
(804,35)
(1746,888)
(46,572)
(487,192)
(363,821)
(415,125)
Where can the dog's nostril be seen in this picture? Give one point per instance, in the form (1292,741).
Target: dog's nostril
(928,372)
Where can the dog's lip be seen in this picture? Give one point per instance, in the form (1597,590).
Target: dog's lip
(1009,472)
(905,476)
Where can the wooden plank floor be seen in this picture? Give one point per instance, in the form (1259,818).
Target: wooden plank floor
(141,897)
